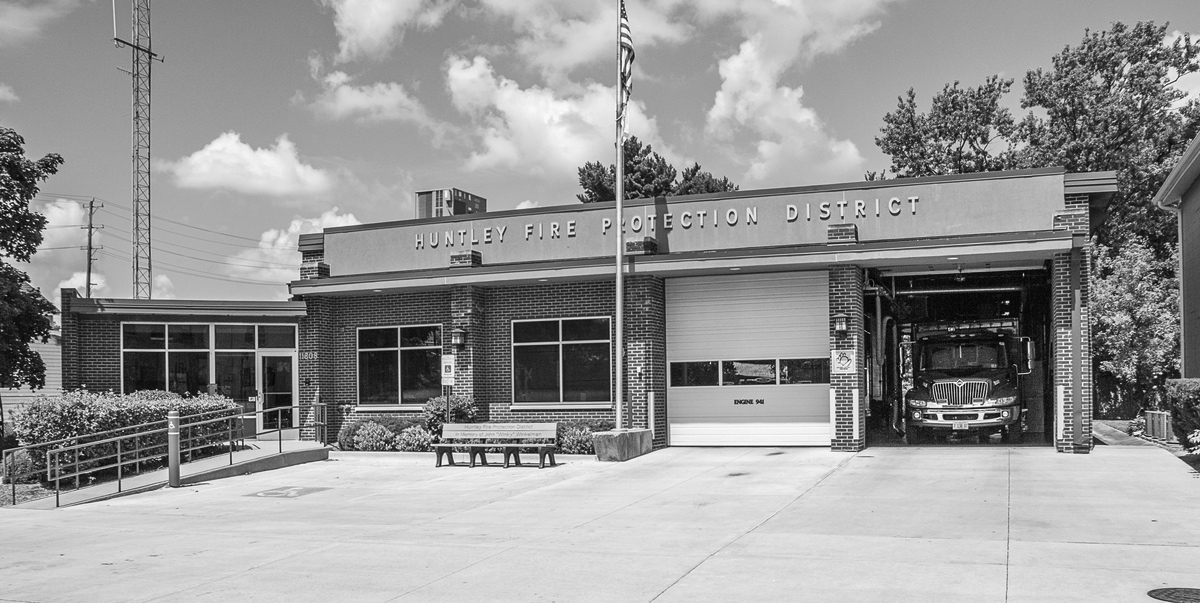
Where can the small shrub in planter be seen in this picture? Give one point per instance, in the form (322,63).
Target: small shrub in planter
(414,439)
(1183,397)
(1137,426)
(575,437)
(373,437)
(462,410)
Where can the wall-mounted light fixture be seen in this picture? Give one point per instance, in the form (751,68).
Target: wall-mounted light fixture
(458,338)
(839,324)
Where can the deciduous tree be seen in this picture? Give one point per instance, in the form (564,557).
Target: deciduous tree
(25,315)
(647,175)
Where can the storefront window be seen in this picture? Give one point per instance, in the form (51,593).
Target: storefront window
(234,337)
(184,358)
(399,365)
(567,360)
(188,373)
(276,336)
(748,372)
(805,370)
(692,374)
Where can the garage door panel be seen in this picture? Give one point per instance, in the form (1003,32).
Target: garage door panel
(774,316)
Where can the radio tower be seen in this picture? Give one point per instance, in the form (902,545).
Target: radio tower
(142,57)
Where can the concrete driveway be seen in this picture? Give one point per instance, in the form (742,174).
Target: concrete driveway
(715,524)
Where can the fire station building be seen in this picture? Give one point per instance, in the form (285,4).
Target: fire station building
(776,317)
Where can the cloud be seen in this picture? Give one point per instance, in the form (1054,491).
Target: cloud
(62,239)
(276,258)
(754,103)
(6,94)
(228,163)
(78,281)
(536,131)
(372,28)
(162,287)
(21,22)
(527,204)
(339,99)
(559,36)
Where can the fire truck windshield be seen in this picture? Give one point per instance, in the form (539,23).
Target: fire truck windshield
(954,355)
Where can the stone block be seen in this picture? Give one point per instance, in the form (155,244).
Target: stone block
(622,444)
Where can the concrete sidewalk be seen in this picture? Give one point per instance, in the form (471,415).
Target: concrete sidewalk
(718,524)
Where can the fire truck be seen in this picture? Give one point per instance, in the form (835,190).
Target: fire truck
(966,380)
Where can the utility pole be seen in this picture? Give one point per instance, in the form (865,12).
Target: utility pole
(91,249)
(142,58)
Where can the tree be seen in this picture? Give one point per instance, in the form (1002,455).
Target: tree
(1135,301)
(647,175)
(25,315)
(956,136)
(1107,104)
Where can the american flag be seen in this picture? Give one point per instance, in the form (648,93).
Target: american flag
(626,67)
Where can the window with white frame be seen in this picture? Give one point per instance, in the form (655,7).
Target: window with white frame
(186,357)
(399,365)
(567,360)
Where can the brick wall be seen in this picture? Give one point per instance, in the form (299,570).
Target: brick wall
(646,353)
(846,297)
(842,233)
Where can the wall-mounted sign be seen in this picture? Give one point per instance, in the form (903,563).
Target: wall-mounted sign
(754,401)
(448,369)
(841,362)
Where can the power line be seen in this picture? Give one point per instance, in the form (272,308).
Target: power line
(199,273)
(262,264)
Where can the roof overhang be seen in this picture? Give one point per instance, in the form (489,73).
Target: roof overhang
(1012,250)
(1181,179)
(183,307)
(1100,187)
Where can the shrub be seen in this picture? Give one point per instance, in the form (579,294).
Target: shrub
(374,437)
(1137,426)
(462,410)
(76,415)
(1183,397)
(575,437)
(350,429)
(414,439)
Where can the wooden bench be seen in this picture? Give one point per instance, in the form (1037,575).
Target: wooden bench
(512,437)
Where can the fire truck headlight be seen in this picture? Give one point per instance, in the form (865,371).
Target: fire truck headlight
(1004,414)
(1005,401)
(916,415)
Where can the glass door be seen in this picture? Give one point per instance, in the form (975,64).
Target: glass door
(278,391)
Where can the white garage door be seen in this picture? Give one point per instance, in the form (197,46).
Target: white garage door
(748,359)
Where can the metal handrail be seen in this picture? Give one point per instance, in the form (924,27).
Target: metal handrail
(57,463)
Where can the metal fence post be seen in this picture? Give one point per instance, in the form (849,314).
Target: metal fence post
(173,448)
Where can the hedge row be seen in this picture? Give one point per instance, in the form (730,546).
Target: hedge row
(1183,396)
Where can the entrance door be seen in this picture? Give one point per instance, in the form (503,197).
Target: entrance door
(278,391)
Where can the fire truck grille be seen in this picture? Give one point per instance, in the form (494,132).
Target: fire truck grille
(960,392)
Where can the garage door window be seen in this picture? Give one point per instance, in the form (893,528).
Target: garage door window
(562,360)
(787,371)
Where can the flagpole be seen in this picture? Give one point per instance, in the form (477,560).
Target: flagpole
(620,228)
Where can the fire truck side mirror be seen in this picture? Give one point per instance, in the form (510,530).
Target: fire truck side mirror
(1027,357)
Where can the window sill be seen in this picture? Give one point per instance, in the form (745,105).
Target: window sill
(388,408)
(561,406)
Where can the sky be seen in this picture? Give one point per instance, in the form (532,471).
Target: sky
(274,118)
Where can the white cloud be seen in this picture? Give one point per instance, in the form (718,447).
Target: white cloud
(6,94)
(21,22)
(558,36)
(228,163)
(372,28)
(341,99)
(162,287)
(62,240)
(753,102)
(527,204)
(536,131)
(78,281)
(276,258)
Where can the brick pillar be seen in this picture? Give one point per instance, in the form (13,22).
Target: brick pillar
(69,341)
(1071,351)
(315,360)
(846,297)
(466,312)
(646,353)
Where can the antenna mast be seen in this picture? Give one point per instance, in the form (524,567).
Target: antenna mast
(142,57)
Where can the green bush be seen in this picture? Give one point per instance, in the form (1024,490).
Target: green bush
(394,425)
(76,416)
(414,439)
(1137,426)
(373,437)
(462,410)
(575,437)
(1183,396)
